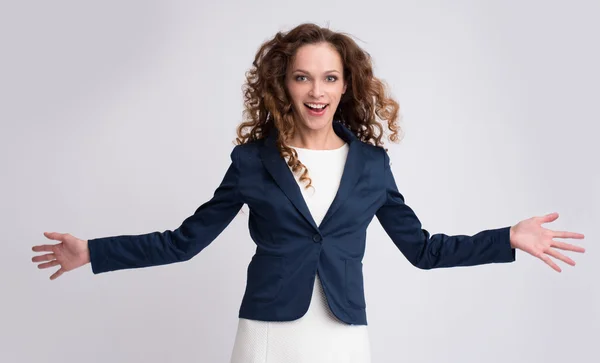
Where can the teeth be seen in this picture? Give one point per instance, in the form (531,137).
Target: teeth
(313,105)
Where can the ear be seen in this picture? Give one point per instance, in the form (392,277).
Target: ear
(345,86)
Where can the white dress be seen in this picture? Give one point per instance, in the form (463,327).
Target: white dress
(318,336)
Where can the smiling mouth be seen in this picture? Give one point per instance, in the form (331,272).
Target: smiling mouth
(316,109)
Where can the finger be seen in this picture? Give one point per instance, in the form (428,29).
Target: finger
(57,274)
(564,234)
(47,257)
(54,235)
(43,248)
(567,246)
(49,264)
(550,262)
(561,257)
(548,217)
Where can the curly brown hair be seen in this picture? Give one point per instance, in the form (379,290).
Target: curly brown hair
(267,103)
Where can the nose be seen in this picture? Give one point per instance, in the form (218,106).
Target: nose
(317,90)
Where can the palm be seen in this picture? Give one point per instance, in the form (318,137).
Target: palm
(529,236)
(69,254)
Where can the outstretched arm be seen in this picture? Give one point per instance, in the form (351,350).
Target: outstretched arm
(159,248)
(490,246)
(427,251)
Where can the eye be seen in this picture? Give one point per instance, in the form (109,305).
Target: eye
(299,77)
(334,78)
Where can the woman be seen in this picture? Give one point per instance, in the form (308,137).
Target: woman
(311,167)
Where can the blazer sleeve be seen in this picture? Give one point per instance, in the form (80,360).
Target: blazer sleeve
(427,251)
(192,236)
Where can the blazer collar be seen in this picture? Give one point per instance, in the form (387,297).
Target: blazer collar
(281,173)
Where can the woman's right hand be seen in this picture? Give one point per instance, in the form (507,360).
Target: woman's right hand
(69,254)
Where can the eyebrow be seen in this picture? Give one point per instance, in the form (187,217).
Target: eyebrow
(329,71)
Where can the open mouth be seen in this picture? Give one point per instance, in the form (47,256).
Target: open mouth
(317,109)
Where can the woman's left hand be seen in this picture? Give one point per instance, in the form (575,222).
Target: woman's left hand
(529,236)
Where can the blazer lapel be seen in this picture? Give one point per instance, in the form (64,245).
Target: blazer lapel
(279,170)
(353,169)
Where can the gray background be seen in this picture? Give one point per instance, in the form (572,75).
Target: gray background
(119,117)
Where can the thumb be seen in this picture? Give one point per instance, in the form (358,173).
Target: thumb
(53,235)
(549,217)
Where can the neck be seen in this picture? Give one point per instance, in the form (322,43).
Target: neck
(322,139)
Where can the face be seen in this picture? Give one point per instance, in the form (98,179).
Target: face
(315,82)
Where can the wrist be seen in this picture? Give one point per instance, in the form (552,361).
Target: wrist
(511,237)
(87,252)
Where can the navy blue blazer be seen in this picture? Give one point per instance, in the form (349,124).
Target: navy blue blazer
(290,247)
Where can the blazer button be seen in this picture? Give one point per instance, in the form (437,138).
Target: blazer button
(317,238)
